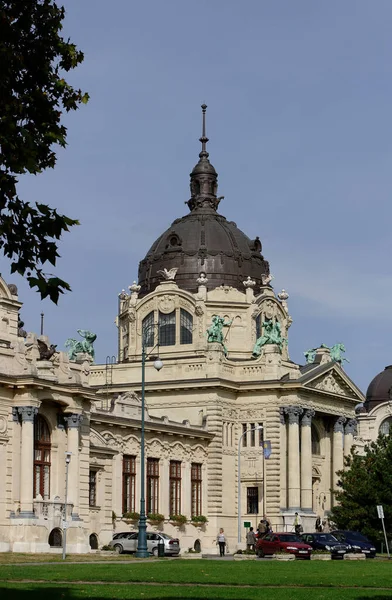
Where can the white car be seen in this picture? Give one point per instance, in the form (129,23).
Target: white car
(127,542)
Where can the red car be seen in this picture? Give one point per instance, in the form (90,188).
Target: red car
(283,542)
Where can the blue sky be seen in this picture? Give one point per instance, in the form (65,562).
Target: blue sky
(299,120)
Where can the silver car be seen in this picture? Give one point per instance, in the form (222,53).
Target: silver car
(127,542)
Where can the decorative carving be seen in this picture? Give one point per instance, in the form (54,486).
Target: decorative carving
(293,412)
(21,332)
(338,425)
(283,297)
(307,417)
(167,304)
(168,275)
(249,282)
(199,310)
(13,289)
(134,288)
(350,427)
(202,279)
(330,384)
(266,278)
(73,420)
(27,413)
(3,425)
(85,347)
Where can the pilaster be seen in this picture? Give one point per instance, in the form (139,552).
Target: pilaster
(27,414)
(337,451)
(74,422)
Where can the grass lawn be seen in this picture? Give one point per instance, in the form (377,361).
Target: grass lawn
(172,579)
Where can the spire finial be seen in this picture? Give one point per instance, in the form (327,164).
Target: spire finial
(204,138)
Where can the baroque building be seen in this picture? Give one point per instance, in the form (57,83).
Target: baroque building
(227,391)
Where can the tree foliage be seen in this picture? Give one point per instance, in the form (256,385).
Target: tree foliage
(33,97)
(365,483)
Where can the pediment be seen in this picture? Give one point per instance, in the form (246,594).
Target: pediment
(332,382)
(96,439)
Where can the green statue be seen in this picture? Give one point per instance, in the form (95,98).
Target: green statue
(215,331)
(272,334)
(337,353)
(310,355)
(85,346)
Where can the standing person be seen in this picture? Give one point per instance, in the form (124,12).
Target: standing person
(221,540)
(261,529)
(326,526)
(298,524)
(250,539)
(319,525)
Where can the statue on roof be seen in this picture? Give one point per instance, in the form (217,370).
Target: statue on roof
(215,331)
(272,334)
(337,354)
(85,346)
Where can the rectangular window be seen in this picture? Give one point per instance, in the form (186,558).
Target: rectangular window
(186,327)
(167,329)
(261,435)
(148,330)
(258,326)
(152,485)
(129,479)
(253,435)
(196,489)
(92,489)
(175,487)
(244,435)
(252,500)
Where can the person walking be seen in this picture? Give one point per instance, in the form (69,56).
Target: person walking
(221,541)
(298,524)
(250,539)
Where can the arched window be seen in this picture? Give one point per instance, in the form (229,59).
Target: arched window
(148,329)
(56,538)
(258,326)
(186,327)
(167,329)
(386,427)
(41,458)
(315,441)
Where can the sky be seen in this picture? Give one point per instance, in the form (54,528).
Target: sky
(299,120)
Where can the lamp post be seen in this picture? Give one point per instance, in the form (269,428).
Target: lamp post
(260,427)
(65,524)
(142,551)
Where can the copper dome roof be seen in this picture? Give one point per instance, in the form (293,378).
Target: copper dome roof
(203,241)
(380,389)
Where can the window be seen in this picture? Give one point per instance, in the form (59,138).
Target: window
(92,488)
(252,500)
(261,434)
(196,482)
(386,427)
(129,474)
(41,458)
(152,485)
(167,329)
(315,441)
(186,327)
(148,329)
(175,487)
(258,326)
(253,434)
(244,435)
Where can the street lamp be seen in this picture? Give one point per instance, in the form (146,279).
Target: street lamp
(65,524)
(258,428)
(142,551)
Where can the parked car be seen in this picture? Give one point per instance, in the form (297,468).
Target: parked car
(326,541)
(127,542)
(286,542)
(356,542)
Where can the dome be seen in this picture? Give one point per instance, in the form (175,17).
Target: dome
(380,389)
(203,241)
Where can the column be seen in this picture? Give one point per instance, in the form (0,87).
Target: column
(337,451)
(293,461)
(306,460)
(349,432)
(27,414)
(283,461)
(74,422)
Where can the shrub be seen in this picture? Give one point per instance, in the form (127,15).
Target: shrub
(181,519)
(106,547)
(157,517)
(199,519)
(132,516)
